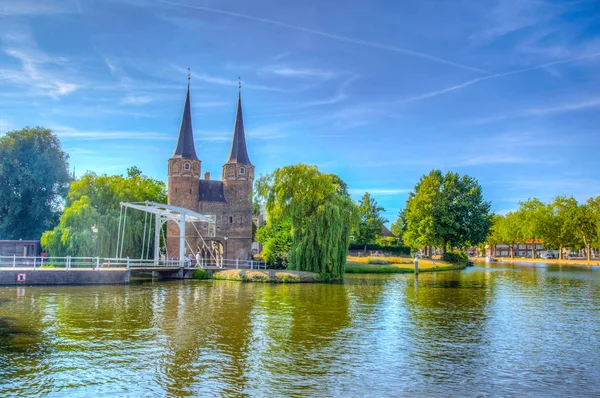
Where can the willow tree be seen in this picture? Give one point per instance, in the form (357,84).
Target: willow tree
(321,217)
(89,225)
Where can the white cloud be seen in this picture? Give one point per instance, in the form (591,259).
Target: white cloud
(33,7)
(331,36)
(64,132)
(39,71)
(304,73)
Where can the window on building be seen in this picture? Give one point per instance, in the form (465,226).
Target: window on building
(230,220)
(186,166)
(242,170)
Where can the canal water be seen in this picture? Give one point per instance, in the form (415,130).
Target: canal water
(502,329)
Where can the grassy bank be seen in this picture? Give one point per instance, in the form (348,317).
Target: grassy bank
(545,261)
(395,265)
(267,276)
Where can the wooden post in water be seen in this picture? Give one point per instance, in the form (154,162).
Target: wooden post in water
(416,265)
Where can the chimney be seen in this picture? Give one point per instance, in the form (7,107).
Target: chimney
(207,175)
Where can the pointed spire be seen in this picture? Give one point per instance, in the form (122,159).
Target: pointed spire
(185,143)
(239,153)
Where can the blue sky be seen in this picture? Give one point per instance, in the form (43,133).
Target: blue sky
(379,92)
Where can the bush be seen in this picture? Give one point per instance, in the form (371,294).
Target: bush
(377,261)
(201,274)
(397,250)
(456,257)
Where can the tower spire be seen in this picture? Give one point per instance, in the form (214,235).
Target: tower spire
(239,153)
(185,143)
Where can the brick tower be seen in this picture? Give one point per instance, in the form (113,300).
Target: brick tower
(183,177)
(238,177)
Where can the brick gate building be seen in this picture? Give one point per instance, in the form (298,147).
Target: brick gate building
(229,199)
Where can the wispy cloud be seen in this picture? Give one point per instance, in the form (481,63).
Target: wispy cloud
(66,133)
(33,7)
(340,38)
(496,76)
(303,73)
(509,16)
(574,106)
(230,82)
(38,71)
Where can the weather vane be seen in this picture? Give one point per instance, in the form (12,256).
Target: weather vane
(189,74)
(239,83)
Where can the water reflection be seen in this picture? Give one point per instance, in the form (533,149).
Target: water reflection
(495,328)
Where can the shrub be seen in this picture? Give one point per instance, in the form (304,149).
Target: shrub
(377,261)
(456,257)
(200,274)
(397,250)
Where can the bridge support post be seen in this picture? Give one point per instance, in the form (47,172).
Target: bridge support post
(182,239)
(97,263)
(157,226)
(14,260)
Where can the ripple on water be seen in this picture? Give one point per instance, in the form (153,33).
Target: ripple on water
(508,330)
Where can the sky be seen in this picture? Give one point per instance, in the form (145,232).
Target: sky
(378,92)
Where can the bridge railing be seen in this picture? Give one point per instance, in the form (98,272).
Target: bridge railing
(99,263)
(48,262)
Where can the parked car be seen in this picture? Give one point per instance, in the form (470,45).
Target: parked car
(548,256)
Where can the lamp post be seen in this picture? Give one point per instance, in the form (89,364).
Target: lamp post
(225,237)
(95,237)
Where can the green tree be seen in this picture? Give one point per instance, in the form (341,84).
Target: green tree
(276,238)
(587,224)
(534,218)
(446,211)
(371,222)
(560,231)
(399,225)
(320,216)
(421,227)
(95,201)
(34,179)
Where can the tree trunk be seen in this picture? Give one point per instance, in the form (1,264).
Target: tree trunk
(365,249)
(560,254)
(512,250)
(533,249)
(589,252)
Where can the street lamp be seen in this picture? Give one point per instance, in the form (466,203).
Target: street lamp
(225,237)
(94,237)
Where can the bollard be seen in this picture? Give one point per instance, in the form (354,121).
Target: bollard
(416,265)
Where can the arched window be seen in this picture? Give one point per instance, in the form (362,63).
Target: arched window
(230,220)
(186,166)
(242,170)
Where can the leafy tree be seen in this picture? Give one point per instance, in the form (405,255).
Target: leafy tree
(421,227)
(587,224)
(447,211)
(320,216)
(399,225)
(276,238)
(560,231)
(386,241)
(34,179)
(534,218)
(463,216)
(95,201)
(371,222)
(255,208)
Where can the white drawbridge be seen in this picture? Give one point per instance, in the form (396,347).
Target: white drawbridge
(163,213)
